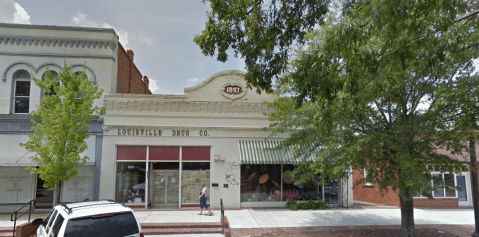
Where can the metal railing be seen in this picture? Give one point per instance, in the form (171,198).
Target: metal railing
(222,217)
(31,204)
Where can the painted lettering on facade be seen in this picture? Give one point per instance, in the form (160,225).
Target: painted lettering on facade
(158,132)
(139,132)
(233,90)
(180,133)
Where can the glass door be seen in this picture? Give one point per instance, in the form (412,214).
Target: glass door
(463,192)
(164,185)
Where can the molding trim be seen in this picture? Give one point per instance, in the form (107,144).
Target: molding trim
(54,27)
(53,55)
(57,42)
(36,70)
(187,108)
(219,74)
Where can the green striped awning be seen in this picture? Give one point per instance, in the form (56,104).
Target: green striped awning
(261,152)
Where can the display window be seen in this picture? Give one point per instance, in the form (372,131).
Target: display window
(292,188)
(130,182)
(260,183)
(277,183)
(193,174)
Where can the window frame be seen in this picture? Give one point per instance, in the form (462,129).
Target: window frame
(18,77)
(444,189)
(369,184)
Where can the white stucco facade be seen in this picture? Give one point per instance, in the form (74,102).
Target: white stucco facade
(206,116)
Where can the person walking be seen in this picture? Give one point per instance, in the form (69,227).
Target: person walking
(203,197)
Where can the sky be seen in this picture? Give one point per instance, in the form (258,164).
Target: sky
(160,33)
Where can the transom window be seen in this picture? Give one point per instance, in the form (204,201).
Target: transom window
(21,100)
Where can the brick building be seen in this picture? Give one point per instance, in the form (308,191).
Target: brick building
(369,192)
(27,50)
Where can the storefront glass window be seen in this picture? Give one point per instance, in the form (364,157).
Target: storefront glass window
(193,174)
(130,182)
(260,183)
(310,189)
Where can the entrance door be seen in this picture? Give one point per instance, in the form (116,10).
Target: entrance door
(44,196)
(463,192)
(164,187)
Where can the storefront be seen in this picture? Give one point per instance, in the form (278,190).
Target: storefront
(159,149)
(156,174)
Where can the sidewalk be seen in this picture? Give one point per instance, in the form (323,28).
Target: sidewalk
(283,218)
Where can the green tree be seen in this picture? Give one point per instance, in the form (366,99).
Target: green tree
(378,85)
(60,126)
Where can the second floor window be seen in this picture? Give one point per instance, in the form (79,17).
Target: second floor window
(21,100)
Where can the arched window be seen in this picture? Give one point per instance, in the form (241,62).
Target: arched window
(21,92)
(54,76)
(78,74)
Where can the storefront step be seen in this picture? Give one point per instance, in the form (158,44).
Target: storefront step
(6,231)
(181,228)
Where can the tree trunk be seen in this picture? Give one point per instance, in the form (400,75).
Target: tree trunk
(407,215)
(56,194)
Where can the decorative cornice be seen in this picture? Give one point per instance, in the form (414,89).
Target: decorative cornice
(57,42)
(219,74)
(53,27)
(56,55)
(183,108)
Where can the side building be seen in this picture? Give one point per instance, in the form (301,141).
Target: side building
(159,149)
(27,50)
(443,198)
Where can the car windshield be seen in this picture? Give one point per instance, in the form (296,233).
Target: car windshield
(117,224)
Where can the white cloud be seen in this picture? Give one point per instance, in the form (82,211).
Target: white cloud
(12,12)
(81,20)
(153,85)
(125,37)
(193,81)
(21,16)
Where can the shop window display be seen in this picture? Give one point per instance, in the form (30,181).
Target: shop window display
(309,189)
(260,183)
(130,182)
(193,174)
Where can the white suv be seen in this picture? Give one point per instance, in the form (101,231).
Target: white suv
(92,219)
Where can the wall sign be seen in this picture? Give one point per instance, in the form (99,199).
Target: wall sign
(151,132)
(233,91)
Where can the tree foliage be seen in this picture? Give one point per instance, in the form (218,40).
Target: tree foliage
(380,85)
(60,126)
(259,31)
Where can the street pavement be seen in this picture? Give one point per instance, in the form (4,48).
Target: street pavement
(271,218)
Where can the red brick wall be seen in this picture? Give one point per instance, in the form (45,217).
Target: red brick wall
(129,78)
(371,193)
(391,198)
(436,203)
